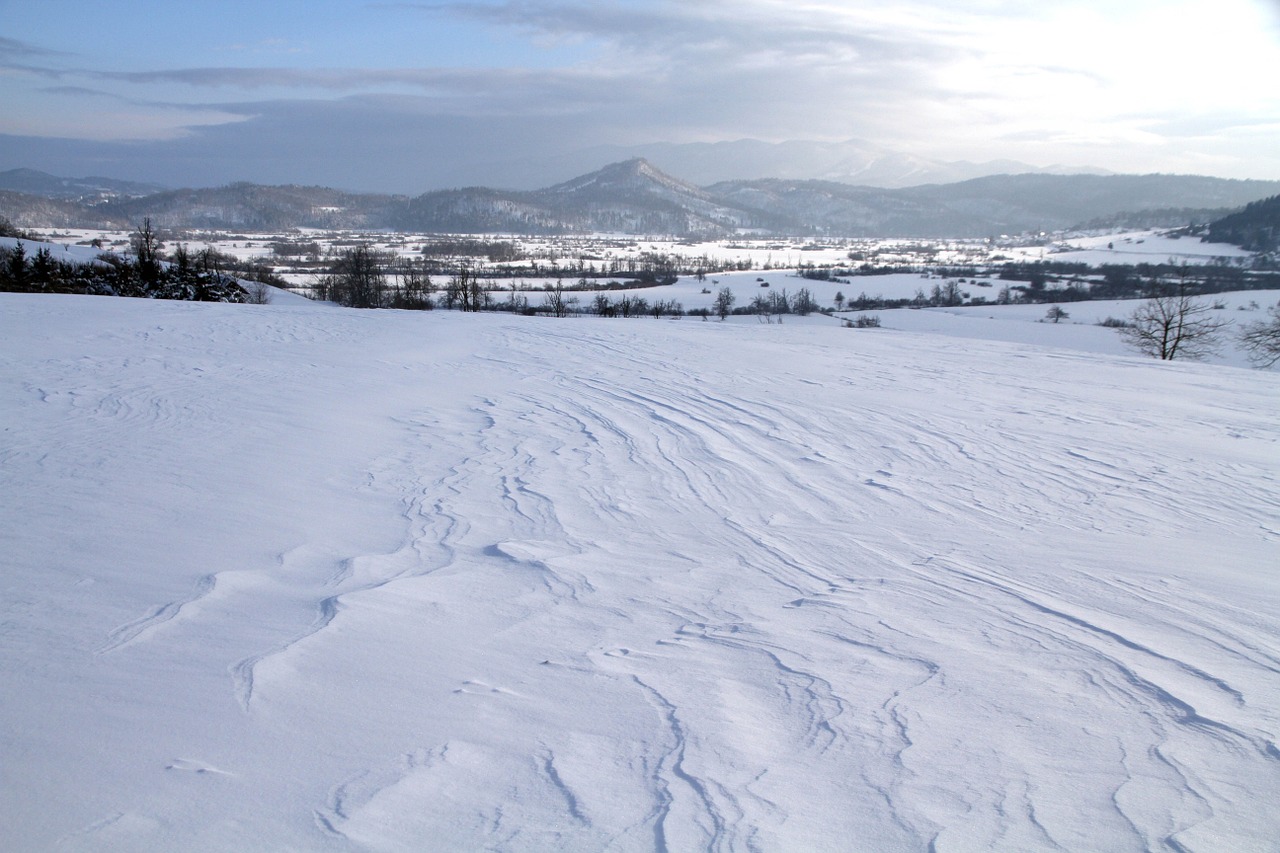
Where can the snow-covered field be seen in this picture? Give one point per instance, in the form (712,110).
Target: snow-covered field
(1139,247)
(291,577)
(1026,324)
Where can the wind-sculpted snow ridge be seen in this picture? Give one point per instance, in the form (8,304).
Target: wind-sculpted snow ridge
(289,577)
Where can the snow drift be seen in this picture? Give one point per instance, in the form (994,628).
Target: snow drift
(292,577)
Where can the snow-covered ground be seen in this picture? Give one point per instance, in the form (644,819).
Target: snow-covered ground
(1136,247)
(1027,324)
(292,577)
(1143,247)
(1017,323)
(64,251)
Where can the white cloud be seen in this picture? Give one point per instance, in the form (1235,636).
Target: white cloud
(1083,81)
(85,113)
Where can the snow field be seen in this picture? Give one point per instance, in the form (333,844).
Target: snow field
(294,577)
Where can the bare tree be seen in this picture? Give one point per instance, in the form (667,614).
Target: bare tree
(357,280)
(724,302)
(413,287)
(947,294)
(1261,339)
(1174,326)
(554,302)
(804,304)
(762,308)
(519,304)
(464,290)
(603,306)
(259,293)
(146,246)
(1055,314)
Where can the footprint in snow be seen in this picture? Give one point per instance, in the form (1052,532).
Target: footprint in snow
(479,688)
(194,767)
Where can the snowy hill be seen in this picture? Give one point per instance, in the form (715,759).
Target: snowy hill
(630,177)
(631,197)
(636,197)
(294,577)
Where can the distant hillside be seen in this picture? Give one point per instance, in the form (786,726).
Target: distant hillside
(836,208)
(1003,204)
(1256,228)
(255,207)
(25,210)
(1062,201)
(91,189)
(631,198)
(634,197)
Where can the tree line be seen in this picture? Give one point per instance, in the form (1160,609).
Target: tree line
(146,273)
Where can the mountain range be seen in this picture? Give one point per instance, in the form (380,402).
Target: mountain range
(635,197)
(850,161)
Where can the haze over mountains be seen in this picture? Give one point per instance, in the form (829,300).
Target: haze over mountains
(852,161)
(636,197)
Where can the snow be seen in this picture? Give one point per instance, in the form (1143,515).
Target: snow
(1144,247)
(68,252)
(1026,324)
(297,577)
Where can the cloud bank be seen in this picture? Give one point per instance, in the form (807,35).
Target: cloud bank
(412,96)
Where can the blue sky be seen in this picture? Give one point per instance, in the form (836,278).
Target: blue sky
(419,95)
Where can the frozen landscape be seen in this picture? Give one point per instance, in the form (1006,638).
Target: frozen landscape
(293,577)
(754,268)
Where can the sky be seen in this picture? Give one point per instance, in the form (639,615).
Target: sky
(407,97)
